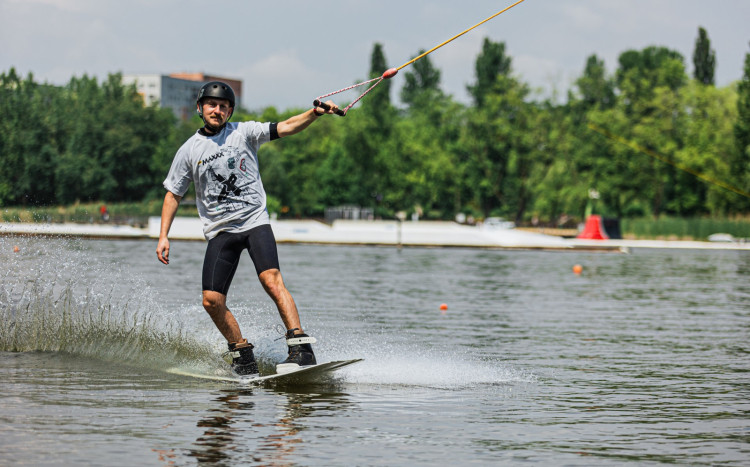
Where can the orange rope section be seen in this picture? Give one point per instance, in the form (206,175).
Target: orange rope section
(457,36)
(391,72)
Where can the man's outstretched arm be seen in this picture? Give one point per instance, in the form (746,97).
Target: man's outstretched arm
(299,122)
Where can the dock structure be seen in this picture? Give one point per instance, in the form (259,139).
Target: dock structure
(379,232)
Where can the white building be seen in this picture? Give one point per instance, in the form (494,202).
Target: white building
(177,92)
(167,92)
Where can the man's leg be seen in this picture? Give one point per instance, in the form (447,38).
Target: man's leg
(243,359)
(261,245)
(300,350)
(215,304)
(262,248)
(273,283)
(219,265)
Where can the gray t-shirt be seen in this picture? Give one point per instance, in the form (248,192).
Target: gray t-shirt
(224,168)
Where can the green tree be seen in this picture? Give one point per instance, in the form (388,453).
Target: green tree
(367,142)
(646,110)
(44,135)
(378,101)
(640,73)
(498,144)
(32,134)
(595,88)
(132,136)
(425,170)
(110,143)
(164,152)
(581,161)
(424,175)
(704,59)
(491,64)
(422,83)
(290,167)
(741,162)
(494,150)
(705,122)
(561,175)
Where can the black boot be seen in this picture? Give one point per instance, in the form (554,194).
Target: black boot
(243,360)
(300,352)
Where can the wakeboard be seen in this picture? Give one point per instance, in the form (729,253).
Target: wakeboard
(305,374)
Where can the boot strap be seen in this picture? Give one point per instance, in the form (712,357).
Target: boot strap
(234,348)
(240,345)
(301,340)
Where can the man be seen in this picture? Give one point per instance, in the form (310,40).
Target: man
(221,159)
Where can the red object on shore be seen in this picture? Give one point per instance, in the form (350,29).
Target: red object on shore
(594,229)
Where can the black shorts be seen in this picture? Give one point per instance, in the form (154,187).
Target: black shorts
(223,256)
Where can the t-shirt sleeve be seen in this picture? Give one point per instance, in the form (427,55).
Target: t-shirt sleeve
(180,174)
(258,133)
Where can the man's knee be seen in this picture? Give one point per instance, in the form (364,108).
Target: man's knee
(213,301)
(273,282)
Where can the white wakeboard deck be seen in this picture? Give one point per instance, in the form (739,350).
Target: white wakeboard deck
(305,373)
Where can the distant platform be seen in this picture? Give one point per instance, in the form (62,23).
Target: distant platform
(382,233)
(73,230)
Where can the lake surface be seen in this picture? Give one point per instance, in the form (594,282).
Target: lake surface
(642,359)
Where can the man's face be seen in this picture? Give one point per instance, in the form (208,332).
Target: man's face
(215,111)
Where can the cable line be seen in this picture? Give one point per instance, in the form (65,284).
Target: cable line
(684,168)
(391,72)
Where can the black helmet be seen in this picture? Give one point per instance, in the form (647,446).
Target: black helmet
(218,90)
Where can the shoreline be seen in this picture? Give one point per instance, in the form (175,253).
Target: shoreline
(439,234)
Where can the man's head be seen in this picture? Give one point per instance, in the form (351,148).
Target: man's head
(215,104)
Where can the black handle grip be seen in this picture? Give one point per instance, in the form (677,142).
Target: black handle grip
(327,107)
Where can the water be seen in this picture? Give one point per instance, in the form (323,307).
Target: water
(642,359)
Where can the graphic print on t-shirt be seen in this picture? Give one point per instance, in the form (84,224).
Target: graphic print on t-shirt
(226,188)
(229,186)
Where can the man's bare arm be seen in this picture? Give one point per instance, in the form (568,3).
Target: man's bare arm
(297,123)
(168,211)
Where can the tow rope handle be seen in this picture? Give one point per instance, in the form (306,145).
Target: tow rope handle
(326,107)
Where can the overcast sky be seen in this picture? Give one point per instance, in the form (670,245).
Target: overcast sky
(289,52)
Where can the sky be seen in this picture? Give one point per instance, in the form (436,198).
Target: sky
(288,53)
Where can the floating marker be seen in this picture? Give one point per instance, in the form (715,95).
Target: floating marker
(444,306)
(390,73)
(577,269)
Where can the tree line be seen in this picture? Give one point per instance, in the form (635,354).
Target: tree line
(648,140)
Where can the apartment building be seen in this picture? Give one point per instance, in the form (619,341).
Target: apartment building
(176,91)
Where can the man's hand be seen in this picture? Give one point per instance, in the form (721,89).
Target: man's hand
(326,108)
(162,250)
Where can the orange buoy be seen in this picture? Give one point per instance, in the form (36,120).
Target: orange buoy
(443,306)
(16,249)
(390,73)
(577,269)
